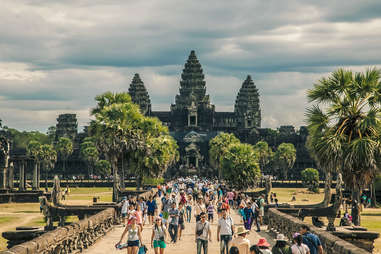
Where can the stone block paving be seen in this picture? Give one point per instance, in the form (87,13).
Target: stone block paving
(185,245)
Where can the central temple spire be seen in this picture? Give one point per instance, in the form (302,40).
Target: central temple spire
(192,84)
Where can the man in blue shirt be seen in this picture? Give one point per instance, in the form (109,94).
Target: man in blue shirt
(311,240)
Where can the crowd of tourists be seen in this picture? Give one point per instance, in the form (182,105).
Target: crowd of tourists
(191,200)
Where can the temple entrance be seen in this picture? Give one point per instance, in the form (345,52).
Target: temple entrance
(192,161)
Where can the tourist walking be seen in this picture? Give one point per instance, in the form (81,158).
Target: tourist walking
(264,246)
(202,234)
(210,210)
(181,219)
(124,210)
(134,237)
(199,208)
(299,247)
(241,242)
(173,222)
(281,246)
(249,216)
(225,231)
(189,208)
(159,234)
(151,209)
(311,240)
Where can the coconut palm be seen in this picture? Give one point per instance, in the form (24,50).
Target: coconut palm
(64,148)
(285,157)
(48,157)
(345,127)
(89,153)
(218,146)
(33,150)
(264,152)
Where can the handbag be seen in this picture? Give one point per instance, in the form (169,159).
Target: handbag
(200,231)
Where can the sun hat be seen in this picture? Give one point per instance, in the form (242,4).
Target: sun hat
(295,235)
(241,230)
(281,237)
(158,218)
(263,242)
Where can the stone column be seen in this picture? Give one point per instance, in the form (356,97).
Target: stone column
(35,177)
(3,178)
(196,162)
(11,175)
(38,175)
(22,175)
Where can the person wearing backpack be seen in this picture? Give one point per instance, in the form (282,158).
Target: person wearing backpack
(225,231)
(299,247)
(311,240)
(203,234)
(281,246)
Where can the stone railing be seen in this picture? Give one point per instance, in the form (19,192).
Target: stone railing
(279,222)
(69,239)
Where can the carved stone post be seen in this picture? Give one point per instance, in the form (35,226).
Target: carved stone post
(22,174)
(11,175)
(3,178)
(35,177)
(38,175)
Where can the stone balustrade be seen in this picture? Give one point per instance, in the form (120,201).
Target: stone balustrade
(279,222)
(69,239)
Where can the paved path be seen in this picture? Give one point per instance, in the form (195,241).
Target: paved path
(185,245)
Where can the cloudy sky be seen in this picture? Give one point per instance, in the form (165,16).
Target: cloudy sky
(56,55)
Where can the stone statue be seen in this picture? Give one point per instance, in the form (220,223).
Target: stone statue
(56,193)
(268,187)
(116,188)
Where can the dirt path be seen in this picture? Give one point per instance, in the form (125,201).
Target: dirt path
(185,245)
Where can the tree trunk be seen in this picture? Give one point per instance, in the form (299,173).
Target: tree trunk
(139,181)
(35,176)
(327,189)
(64,169)
(356,207)
(373,194)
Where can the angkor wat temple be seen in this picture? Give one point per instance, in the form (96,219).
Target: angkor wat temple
(193,120)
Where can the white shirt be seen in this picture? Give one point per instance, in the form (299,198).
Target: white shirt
(159,232)
(124,206)
(225,225)
(296,249)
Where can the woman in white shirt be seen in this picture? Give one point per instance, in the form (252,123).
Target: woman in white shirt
(159,234)
(299,247)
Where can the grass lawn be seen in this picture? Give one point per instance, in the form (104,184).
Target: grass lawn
(7,219)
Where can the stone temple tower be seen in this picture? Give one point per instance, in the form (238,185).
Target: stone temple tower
(192,108)
(247,109)
(139,95)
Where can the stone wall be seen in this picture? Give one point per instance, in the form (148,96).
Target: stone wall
(286,224)
(69,239)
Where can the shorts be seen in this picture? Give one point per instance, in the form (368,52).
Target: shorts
(151,213)
(210,216)
(159,244)
(165,215)
(133,243)
(262,210)
(182,226)
(124,215)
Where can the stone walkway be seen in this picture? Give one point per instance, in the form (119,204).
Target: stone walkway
(185,245)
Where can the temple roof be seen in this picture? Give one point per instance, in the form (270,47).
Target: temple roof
(139,93)
(248,96)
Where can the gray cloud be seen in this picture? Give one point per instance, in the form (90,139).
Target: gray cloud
(55,56)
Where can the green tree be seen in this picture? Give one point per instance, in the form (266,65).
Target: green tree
(265,154)
(89,154)
(285,157)
(218,147)
(346,124)
(240,166)
(310,178)
(48,157)
(33,150)
(103,168)
(64,148)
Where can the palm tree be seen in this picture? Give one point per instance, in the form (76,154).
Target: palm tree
(48,157)
(218,147)
(33,150)
(345,127)
(285,157)
(89,153)
(64,148)
(264,152)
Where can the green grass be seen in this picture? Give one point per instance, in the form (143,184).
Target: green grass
(7,219)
